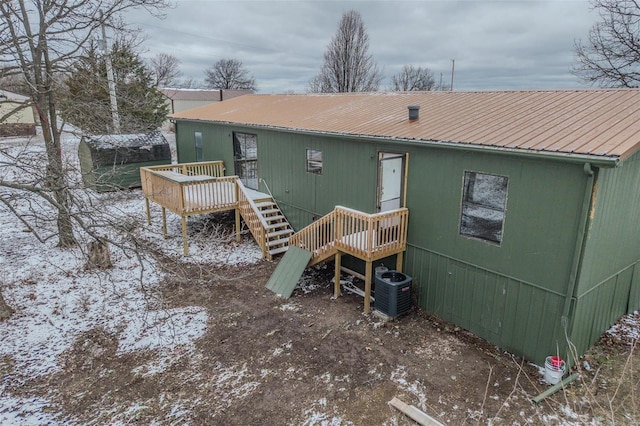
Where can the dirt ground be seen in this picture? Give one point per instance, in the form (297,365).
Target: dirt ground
(312,360)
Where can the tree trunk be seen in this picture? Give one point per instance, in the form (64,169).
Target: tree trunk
(5,310)
(99,255)
(56,179)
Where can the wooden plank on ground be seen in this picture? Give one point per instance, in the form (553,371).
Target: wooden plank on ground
(412,412)
(286,275)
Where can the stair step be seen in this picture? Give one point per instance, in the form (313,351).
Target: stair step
(280,233)
(277,225)
(264,204)
(278,250)
(281,241)
(273,218)
(270,211)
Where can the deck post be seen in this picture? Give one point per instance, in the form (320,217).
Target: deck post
(237,210)
(146,201)
(336,285)
(367,287)
(164,222)
(185,243)
(399,258)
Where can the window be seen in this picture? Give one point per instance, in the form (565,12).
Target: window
(245,152)
(198,140)
(484,201)
(314,161)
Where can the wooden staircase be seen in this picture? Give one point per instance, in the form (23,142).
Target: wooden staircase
(369,237)
(278,230)
(265,220)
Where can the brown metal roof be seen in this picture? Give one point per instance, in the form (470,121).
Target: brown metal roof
(600,122)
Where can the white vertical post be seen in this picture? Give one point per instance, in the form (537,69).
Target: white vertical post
(112,85)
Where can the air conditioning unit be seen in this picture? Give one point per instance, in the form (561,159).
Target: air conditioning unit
(393,293)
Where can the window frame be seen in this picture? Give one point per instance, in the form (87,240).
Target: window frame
(467,203)
(316,170)
(198,142)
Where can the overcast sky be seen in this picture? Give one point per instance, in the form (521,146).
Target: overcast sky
(507,44)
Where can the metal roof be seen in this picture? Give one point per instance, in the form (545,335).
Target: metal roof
(592,122)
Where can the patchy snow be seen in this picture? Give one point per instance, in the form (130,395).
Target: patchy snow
(56,298)
(627,329)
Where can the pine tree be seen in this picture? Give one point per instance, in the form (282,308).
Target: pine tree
(86,103)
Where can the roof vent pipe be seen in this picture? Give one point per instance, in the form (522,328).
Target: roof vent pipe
(414,112)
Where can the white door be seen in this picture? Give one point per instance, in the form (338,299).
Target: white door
(390,181)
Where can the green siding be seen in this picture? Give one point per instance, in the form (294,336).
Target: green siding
(519,316)
(288,272)
(114,176)
(609,281)
(217,143)
(344,181)
(512,294)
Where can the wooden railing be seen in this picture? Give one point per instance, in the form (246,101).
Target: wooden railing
(255,222)
(205,168)
(318,238)
(190,188)
(366,236)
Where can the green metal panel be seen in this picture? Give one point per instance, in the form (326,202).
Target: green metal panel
(121,176)
(634,291)
(288,272)
(516,315)
(608,284)
(111,177)
(348,175)
(542,214)
(217,143)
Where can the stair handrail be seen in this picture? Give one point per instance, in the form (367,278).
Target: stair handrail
(255,209)
(274,199)
(304,238)
(361,232)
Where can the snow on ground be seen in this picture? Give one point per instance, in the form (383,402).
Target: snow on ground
(56,298)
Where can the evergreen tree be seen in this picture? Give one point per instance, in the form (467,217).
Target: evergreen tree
(86,103)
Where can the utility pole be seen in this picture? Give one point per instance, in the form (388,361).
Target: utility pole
(453,68)
(112,84)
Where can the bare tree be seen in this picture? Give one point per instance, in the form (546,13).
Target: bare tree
(348,66)
(411,78)
(229,74)
(39,40)
(165,69)
(611,55)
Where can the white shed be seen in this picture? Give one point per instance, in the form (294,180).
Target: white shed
(16,115)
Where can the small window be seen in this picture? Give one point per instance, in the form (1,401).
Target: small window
(314,161)
(198,141)
(484,201)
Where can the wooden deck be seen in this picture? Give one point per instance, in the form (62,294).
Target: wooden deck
(199,188)
(366,236)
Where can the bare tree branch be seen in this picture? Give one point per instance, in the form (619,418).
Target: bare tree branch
(610,57)
(411,78)
(165,69)
(39,39)
(229,74)
(348,66)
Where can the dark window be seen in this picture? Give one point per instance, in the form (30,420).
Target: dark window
(314,161)
(484,201)
(198,140)
(245,151)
